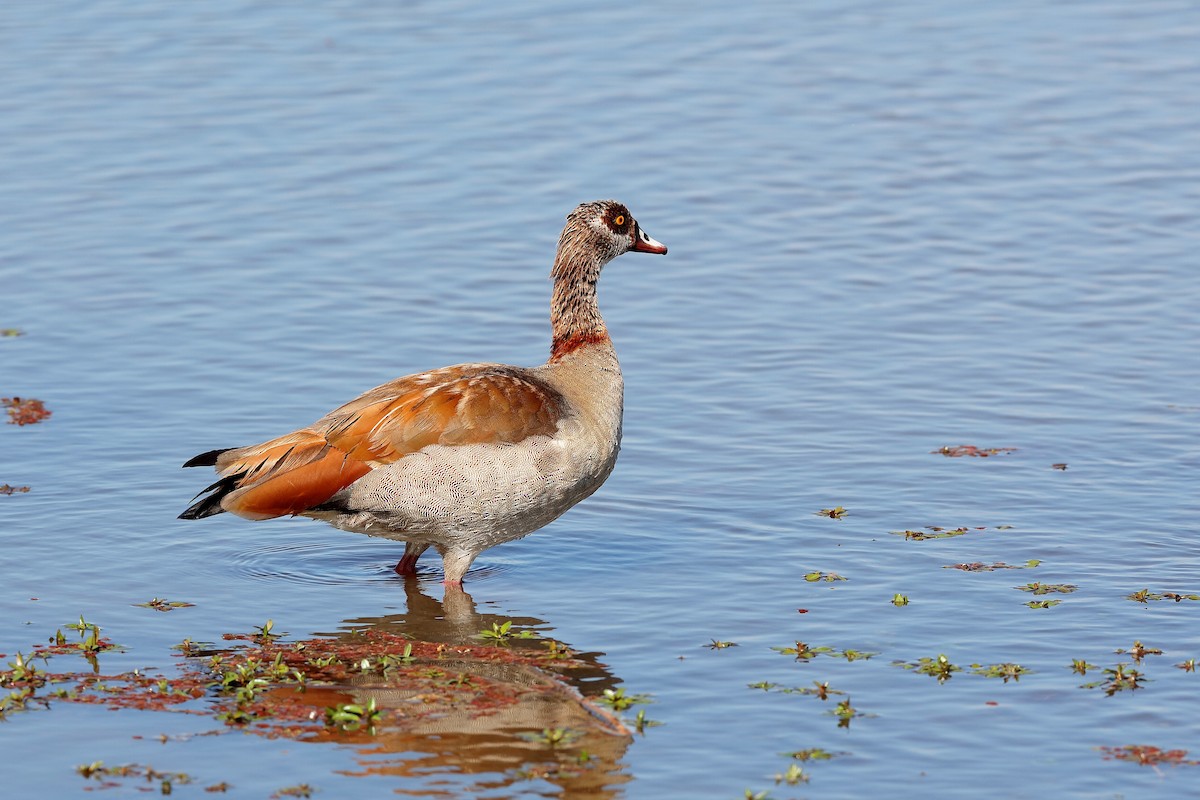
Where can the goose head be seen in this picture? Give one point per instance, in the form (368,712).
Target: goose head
(598,232)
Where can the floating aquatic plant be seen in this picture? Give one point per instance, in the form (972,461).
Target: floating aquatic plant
(805,652)
(108,776)
(158,604)
(1147,755)
(24,411)
(900,600)
(641,722)
(552,737)
(828,577)
(1145,596)
(939,532)
(979,566)
(845,712)
(354,716)
(812,754)
(793,775)
(617,700)
(716,644)
(1006,671)
(833,513)
(502,632)
(1047,588)
(1140,651)
(1118,679)
(939,667)
(802,651)
(958,451)
(1043,603)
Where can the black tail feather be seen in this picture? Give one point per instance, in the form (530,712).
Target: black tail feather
(211,504)
(208,459)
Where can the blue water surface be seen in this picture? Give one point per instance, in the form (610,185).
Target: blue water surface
(892,228)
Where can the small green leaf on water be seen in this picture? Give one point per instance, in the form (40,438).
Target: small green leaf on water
(1006,671)
(812,754)
(900,600)
(1140,651)
(617,700)
(1043,603)
(832,513)
(1047,588)
(1145,595)
(158,604)
(939,667)
(793,775)
(828,577)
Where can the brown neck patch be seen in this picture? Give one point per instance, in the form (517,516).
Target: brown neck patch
(576,341)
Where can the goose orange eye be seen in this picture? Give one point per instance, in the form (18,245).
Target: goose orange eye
(620,220)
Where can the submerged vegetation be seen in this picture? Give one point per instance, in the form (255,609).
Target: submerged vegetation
(360,686)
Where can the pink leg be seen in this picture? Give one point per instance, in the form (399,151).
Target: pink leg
(408,564)
(456,563)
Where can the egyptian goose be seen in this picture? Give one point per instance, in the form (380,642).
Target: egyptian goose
(460,458)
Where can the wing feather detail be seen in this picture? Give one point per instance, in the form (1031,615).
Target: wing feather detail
(460,405)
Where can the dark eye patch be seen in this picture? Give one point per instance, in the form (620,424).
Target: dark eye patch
(617,218)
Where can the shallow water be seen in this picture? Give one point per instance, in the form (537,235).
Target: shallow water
(892,229)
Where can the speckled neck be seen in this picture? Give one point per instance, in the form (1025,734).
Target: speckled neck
(574,312)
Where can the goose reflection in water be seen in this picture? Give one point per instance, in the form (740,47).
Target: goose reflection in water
(498,737)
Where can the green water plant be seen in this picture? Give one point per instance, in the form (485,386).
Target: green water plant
(641,722)
(1005,671)
(845,712)
(617,700)
(1139,651)
(819,689)
(938,667)
(802,651)
(552,737)
(899,599)
(1043,603)
(1118,679)
(159,604)
(1039,588)
(1146,596)
(354,716)
(826,577)
(979,566)
(1080,666)
(107,775)
(833,513)
(793,775)
(716,644)
(812,754)
(1187,666)
(502,633)
(266,632)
